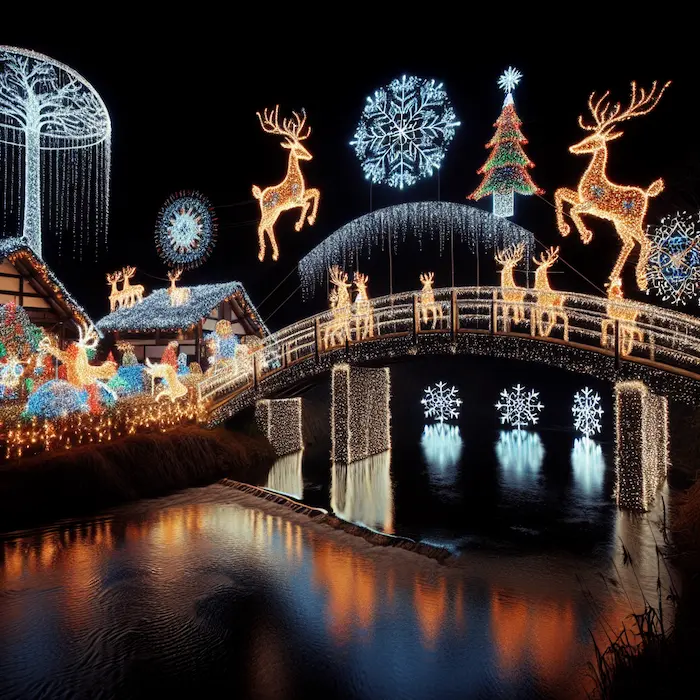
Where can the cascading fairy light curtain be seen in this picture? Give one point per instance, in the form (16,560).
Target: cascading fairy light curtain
(55,146)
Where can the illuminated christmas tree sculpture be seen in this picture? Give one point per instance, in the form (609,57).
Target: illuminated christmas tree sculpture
(506,170)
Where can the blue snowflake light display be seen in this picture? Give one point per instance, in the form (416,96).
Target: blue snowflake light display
(404,131)
(186,230)
(674,263)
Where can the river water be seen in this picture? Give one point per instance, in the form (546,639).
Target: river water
(213,593)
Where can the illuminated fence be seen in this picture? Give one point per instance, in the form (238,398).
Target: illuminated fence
(624,330)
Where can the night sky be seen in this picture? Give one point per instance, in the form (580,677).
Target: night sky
(183,102)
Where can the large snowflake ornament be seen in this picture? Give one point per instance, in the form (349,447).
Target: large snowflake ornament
(674,263)
(441,402)
(186,230)
(510,79)
(404,131)
(587,412)
(519,407)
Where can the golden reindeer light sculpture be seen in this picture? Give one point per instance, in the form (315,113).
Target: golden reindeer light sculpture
(626,315)
(131,294)
(338,328)
(291,193)
(426,303)
(115,295)
(178,295)
(624,206)
(174,389)
(548,302)
(512,296)
(364,315)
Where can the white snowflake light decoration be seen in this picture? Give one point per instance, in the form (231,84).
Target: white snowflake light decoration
(441,402)
(519,407)
(674,263)
(510,79)
(404,131)
(587,412)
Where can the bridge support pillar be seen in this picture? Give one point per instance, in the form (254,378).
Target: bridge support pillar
(641,444)
(360,415)
(280,421)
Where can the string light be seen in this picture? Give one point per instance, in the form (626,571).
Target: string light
(291,193)
(444,221)
(587,412)
(404,131)
(360,415)
(440,402)
(186,230)
(597,196)
(641,454)
(512,298)
(364,316)
(46,106)
(280,421)
(549,303)
(506,170)
(519,407)
(428,306)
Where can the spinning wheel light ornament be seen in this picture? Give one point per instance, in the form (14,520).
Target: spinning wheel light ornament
(624,206)
(674,263)
(186,230)
(404,131)
(55,119)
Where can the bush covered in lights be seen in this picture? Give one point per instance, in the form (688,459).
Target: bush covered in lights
(55,399)
(128,380)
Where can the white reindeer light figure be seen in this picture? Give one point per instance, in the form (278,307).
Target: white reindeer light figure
(512,296)
(174,389)
(426,303)
(364,315)
(131,295)
(549,303)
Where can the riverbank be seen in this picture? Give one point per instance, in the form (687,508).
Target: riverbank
(84,480)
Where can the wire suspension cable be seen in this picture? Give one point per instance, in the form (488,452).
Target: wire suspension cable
(283,303)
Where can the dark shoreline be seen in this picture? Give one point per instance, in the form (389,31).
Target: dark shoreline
(82,481)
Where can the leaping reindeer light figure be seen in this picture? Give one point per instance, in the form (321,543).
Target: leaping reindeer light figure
(596,196)
(291,192)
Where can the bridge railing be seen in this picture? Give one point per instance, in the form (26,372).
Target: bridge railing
(628,330)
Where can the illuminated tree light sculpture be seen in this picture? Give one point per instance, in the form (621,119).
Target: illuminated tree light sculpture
(291,193)
(506,170)
(587,412)
(624,206)
(674,263)
(427,306)
(549,304)
(47,108)
(519,407)
(404,131)
(186,230)
(441,403)
(512,296)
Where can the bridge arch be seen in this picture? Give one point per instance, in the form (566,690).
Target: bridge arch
(467,224)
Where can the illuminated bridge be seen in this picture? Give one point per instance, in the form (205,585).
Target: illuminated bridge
(616,340)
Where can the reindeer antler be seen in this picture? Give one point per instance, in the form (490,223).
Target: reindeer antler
(113,277)
(175,275)
(291,128)
(361,279)
(87,335)
(548,257)
(338,277)
(129,272)
(641,103)
(511,255)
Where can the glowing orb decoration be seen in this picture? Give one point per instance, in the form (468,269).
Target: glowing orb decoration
(519,407)
(404,131)
(186,230)
(441,402)
(674,263)
(587,412)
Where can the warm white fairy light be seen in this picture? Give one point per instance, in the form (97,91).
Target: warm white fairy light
(587,412)
(280,422)
(641,432)
(440,402)
(519,407)
(360,415)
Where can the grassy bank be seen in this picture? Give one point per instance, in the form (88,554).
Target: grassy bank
(83,480)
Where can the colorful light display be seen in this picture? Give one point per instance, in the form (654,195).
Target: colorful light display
(597,196)
(674,262)
(506,170)
(292,192)
(48,108)
(519,407)
(549,305)
(186,230)
(404,131)
(441,403)
(587,412)
(174,388)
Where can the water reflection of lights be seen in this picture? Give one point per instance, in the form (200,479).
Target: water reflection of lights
(520,454)
(361,492)
(442,450)
(285,475)
(588,464)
